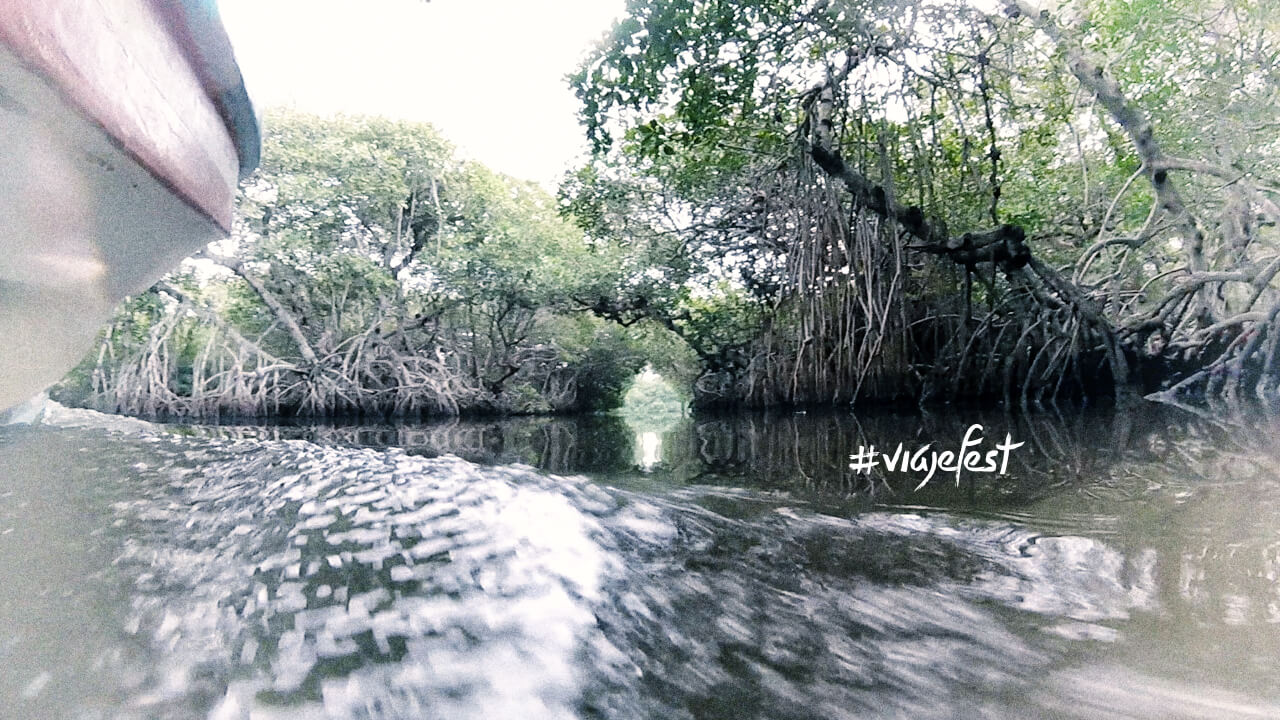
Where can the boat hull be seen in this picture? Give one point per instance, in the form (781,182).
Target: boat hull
(121,159)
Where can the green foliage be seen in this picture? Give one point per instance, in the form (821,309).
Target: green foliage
(701,116)
(419,282)
(606,367)
(726,317)
(669,355)
(704,54)
(651,403)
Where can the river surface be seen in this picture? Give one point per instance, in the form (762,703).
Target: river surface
(1124,566)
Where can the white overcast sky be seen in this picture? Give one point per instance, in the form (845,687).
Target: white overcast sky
(489,74)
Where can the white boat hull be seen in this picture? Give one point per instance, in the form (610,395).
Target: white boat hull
(118,164)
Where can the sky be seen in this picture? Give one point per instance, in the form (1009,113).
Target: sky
(489,74)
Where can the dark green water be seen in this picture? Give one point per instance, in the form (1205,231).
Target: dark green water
(736,567)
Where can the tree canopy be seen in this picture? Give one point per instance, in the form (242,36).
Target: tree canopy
(371,271)
(948,198)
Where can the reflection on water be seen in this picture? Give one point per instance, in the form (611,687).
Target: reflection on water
(731,567)
(650,450)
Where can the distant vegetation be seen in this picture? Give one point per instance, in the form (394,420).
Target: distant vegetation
(371,272)
(652,403)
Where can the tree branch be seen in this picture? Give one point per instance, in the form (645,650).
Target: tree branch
(286,318)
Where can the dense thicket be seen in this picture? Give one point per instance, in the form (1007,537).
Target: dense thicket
(863,199)
(370,272)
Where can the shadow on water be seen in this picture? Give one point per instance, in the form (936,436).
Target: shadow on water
(561,445)
(1126,565)
(810,454)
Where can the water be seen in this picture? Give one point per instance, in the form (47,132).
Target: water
(1125,566)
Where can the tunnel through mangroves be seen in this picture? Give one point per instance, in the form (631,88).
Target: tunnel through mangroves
(651,407)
